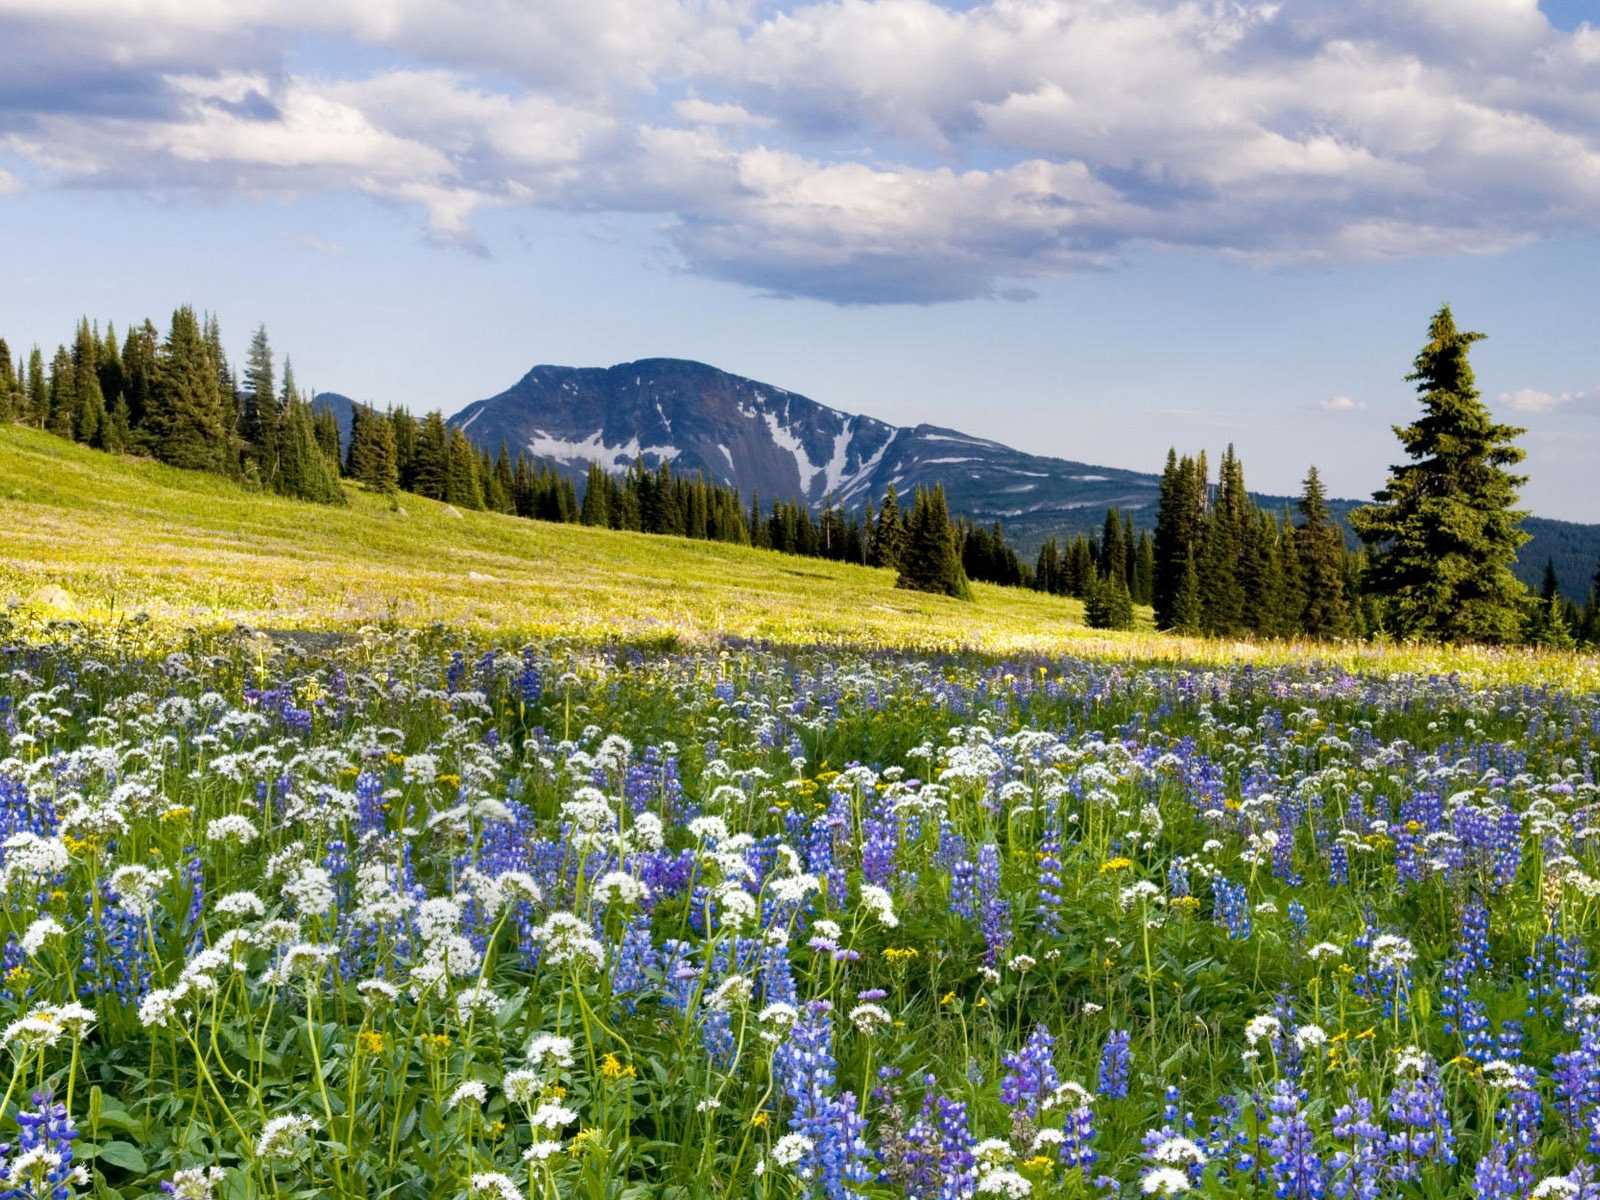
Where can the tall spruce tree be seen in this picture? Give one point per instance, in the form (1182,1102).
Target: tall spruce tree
(931,562)
(261,413)
(8,383)
(189,424)
(1444,530)
(38,392)
(889,538)
(1320,546)
(372,454)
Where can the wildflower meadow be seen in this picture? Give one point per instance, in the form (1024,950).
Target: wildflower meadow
(400,915)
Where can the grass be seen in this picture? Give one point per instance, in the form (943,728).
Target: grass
(124,536)
(190,551)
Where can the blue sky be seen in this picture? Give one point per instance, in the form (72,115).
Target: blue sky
(1092,228)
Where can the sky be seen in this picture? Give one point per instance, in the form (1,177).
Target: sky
(1087,228)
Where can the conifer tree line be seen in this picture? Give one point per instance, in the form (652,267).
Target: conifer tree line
(177,399)
(1438,540)
(1222,566)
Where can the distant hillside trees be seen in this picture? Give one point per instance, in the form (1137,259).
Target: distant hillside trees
(1224,567)
(1444,530)
(931,561)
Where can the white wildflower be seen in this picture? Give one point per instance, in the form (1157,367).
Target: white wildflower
(880,904)
(552,1116)
(277,1139)
(1164,1181)
(38,932)
(235,829)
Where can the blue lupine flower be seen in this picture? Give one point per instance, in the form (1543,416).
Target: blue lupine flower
(1116,1059)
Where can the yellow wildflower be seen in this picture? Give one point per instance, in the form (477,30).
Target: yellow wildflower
(1115,864)
(372,1041)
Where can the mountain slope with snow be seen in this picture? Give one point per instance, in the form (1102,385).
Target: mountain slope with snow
(761,438)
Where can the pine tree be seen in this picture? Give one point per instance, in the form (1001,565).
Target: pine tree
(63,395)
(596,510)
(890,537)
(462,485)
(119,426)
(187,424)
(89,405)
(109,368)
(431,462)
(1443,529)
(1227,530)
(326,425)
(1186,609)
(38,404)
(261,415)
(1320,546)
(372,452)
(1590,627)
(1180,526)
(8,384)
(1292,594)
(1547,619)
(304,471)
(930,562)
(139,371)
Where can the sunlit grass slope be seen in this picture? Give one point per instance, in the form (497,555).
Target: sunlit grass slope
(125,536)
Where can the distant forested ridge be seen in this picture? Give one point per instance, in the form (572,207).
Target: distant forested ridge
(1217,561)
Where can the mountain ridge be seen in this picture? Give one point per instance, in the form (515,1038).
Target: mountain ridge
(781,444)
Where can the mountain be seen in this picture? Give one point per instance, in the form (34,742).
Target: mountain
(758,437)
(762,438)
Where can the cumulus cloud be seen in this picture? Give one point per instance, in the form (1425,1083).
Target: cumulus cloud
(9,183)
(1531,400)
(1341,404)
(862,151)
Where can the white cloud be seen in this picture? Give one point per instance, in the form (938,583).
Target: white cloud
(316,245)
(9,183)
(893,150)
(1531,400)
(1341,404)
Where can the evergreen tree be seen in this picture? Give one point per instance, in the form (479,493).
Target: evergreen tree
(1547,623)
(38,392)
(326,425)
(1292,589)
(372,452)
(140,349)
(261,412)
(596,510)
(1186,609)
(431,462)
(1443,530)
(1320,547)
(930,562)
(63,395)
(188,424)
(109,368)
(304,471)
(119,426)
(1222,551)
(1590,627)
(462,485)
(1180,526)
(8,384)
(88,402)
(1143,584)
(890,537)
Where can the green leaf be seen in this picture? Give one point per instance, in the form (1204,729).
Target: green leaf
(121,1154)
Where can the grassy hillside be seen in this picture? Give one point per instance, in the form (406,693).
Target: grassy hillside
(124,536)
(149,552)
